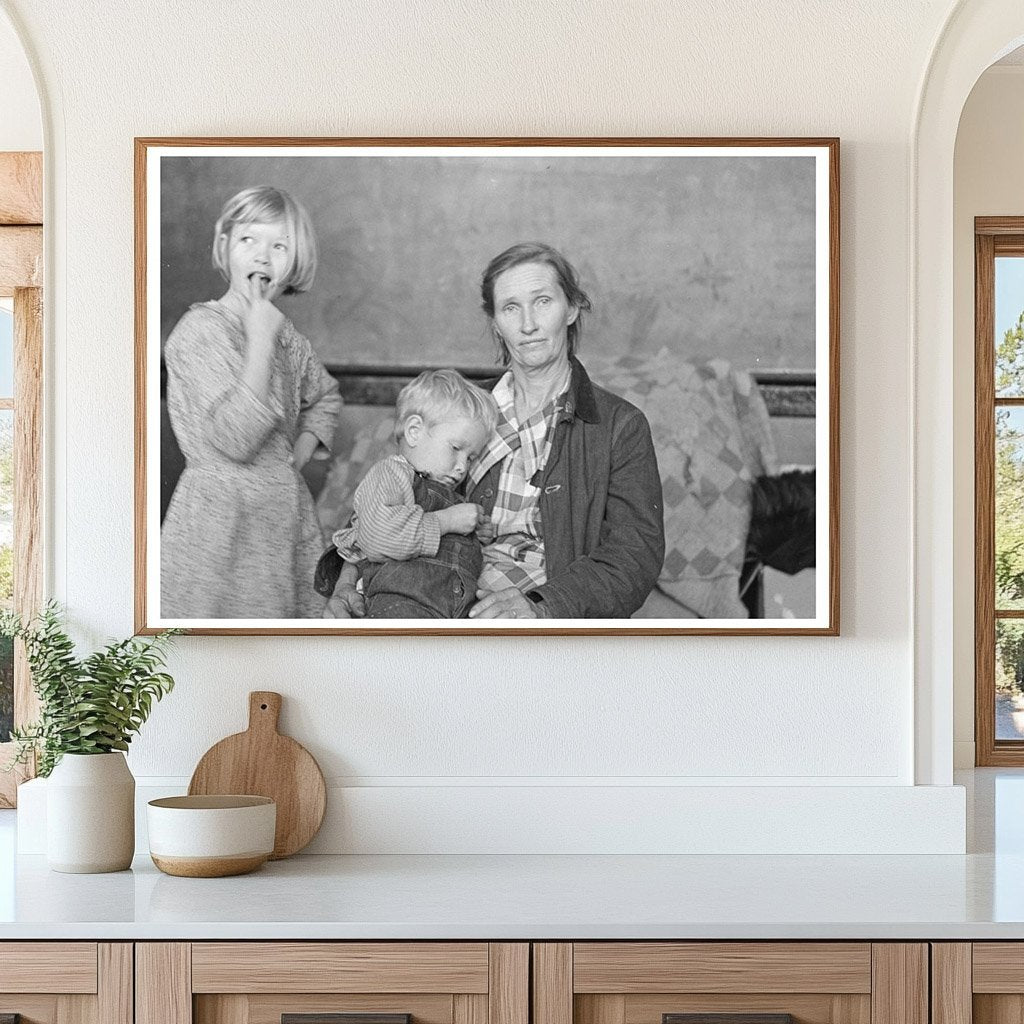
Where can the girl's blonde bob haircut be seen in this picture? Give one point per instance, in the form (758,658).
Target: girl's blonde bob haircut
(266,205)
(439,395)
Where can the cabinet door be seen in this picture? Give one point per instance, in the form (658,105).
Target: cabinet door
(332,983)
(730,983)
(981,982)
(66,982)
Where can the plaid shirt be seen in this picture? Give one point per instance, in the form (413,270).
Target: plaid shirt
(516,556)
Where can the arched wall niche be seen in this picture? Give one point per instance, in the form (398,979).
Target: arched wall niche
(977,33)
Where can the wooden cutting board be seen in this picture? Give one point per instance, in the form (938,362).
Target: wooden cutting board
(262,762)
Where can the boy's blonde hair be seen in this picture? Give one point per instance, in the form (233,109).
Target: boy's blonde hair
(437,395)
(264,204)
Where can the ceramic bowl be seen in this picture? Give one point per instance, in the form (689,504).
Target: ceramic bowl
(211,836)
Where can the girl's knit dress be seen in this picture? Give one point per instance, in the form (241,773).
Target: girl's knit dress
(241,538)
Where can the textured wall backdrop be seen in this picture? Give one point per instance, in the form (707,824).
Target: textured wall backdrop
(708,256)
(685,712)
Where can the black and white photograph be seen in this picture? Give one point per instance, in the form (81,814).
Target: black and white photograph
(480,386)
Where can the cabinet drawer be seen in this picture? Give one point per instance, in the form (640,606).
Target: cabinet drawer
(633,967)
(642,982)
(730,983)
(998,967)
(64,967)
(340,967)
(332,983)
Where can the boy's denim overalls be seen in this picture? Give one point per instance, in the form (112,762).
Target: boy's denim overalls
(442,586)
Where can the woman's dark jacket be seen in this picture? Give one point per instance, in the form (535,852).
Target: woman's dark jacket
(600,505)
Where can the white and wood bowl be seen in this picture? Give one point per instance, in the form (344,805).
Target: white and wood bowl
(211,836)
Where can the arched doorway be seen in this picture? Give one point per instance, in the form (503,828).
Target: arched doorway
(976,34)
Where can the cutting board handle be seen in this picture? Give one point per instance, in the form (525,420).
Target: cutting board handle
(264,709)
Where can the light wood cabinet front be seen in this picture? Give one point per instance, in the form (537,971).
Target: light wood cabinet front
(261,982)
(978,983)
(813,983)
(66,982)
(491,983)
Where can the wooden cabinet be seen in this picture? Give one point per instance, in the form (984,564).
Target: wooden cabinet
(814,982)
(512,982)
(66,982)
(978,983)
(260,982)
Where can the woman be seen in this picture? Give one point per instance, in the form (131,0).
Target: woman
(570,479)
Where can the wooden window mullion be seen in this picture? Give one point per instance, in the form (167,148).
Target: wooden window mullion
(984,501)
(28,497)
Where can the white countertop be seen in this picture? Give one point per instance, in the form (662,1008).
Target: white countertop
(976,896)
(516,897)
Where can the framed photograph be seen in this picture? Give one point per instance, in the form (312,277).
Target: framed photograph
(494,386)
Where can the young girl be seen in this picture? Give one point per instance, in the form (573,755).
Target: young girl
(249,402)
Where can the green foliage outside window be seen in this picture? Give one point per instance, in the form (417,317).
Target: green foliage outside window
(1009,656)
(1009,510)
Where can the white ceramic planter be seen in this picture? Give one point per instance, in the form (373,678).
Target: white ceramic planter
(90,814)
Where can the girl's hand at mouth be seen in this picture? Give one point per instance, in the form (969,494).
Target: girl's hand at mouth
(262,319)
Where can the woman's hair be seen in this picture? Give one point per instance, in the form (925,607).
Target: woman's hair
(437,395)
(565,272)
(265,205)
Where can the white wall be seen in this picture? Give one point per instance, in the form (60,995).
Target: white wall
(21,127)
(987,182)
(429,717)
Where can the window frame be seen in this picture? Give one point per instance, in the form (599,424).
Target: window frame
(21,278)
(993,237)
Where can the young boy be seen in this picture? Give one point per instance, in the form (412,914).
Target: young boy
(412,536)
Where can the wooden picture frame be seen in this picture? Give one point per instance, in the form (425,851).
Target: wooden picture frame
(713,266)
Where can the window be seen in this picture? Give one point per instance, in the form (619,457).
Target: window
(999,490)
(20,429)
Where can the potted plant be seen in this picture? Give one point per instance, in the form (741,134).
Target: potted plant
(89,709)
